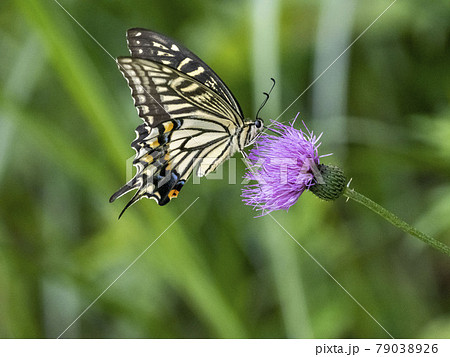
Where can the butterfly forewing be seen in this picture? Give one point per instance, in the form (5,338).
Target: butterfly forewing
(159,48)
(161,93)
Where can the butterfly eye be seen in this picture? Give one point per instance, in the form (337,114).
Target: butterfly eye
(258,123)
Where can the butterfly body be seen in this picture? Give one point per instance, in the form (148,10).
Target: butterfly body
(192,122)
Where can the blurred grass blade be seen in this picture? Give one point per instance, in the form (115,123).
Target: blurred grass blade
(77,73)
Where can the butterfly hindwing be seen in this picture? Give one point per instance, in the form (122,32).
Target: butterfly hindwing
(155,177)
(186,124)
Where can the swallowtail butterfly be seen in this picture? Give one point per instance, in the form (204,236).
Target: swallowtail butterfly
(191,119)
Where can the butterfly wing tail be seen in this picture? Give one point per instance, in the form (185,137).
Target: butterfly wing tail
(163,190)
(155,178)
(137,196)
(129,186)
(123,190)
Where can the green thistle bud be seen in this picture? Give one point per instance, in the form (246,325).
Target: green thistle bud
(329,182)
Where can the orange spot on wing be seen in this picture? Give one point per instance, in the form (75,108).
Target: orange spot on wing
(167,158)
(173,194)
(154,144)
(148,158)
(168,126)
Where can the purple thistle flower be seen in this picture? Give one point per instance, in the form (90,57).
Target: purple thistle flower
(283,167)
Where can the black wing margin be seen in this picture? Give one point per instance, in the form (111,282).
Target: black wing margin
(159,48)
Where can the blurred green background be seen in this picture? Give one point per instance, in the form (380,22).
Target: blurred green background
(66,123)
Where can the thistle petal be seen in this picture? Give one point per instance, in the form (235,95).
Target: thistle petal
(283,167)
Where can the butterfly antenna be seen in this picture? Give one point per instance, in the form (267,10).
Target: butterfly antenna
(265,99)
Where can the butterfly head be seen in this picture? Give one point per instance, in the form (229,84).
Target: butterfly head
(254,130)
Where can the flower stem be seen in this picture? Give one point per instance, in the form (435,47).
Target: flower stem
(350,193)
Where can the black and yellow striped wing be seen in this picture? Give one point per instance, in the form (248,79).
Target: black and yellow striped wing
(161,49)
(191,119)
